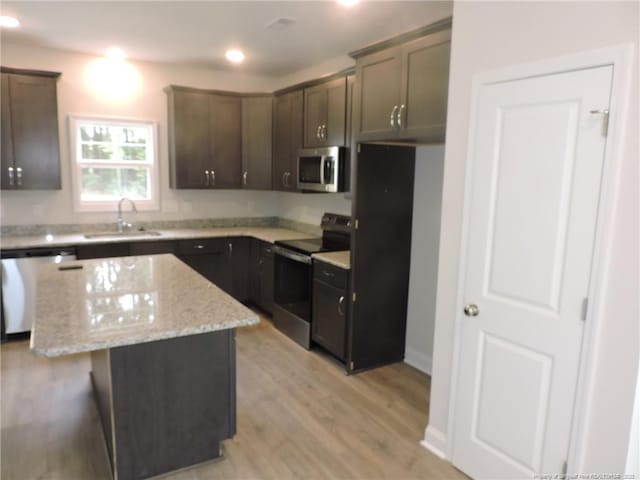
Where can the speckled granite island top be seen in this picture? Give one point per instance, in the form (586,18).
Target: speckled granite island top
(338,259)
(125,301)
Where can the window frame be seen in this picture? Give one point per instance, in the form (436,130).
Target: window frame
(80,205)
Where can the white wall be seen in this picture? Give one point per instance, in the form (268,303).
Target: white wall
(425,238)
(489,35)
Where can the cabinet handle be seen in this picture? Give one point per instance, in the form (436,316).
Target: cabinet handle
(318,131)
(206,177)
(268,250)
(340,303)
(284,175)
(286,179)
(213,177)
(19,176)
(10,169)
(400,115)
(392,117)
(324,132)
(244,177)
(327,274)
(199,247)
(230,249)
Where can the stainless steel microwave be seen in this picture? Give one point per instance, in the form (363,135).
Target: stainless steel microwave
(321,169)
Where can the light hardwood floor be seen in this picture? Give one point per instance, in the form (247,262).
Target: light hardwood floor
(299,416)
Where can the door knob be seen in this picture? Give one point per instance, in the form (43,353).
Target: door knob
(471,310)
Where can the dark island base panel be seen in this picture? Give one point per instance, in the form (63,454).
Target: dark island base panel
(166,405)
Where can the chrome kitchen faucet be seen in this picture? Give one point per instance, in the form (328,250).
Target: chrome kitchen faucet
(121,223)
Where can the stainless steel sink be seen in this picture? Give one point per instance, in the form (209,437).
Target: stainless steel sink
(132,233)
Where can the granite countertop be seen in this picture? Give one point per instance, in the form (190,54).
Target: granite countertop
(338,259)
(124,301)
(267,234)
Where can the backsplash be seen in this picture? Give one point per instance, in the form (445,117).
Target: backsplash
(61,229)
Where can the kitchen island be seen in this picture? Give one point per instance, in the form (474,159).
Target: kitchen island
(162,343)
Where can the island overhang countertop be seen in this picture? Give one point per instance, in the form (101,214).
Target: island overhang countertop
(90,305)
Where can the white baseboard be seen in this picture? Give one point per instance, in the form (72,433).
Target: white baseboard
(435,441)
(419,360)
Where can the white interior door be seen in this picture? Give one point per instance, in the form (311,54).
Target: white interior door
(535,180)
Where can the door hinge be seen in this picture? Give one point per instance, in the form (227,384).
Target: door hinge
(353,296)
(356,224)
(585,307)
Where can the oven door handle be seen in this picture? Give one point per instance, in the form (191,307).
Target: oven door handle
(296,257)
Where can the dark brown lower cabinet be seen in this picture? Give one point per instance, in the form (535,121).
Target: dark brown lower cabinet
(329,317)
(261,275)
(209,257)
(102,250)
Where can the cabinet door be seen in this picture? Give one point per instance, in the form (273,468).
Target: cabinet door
(212,266)
(425,82)
(189,139)
(226,140)
(254,270)
(34,132)
(334,132)
(315,115)
(288,126)
(265,300)
(329,318)
(6,158)
(257,142)
(377,95)
(239,250)
(102,250)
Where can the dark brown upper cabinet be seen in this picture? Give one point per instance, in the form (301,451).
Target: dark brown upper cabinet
(30,155)
(325,113)
(401,91)
(287,139)
(257,132)
(204,139)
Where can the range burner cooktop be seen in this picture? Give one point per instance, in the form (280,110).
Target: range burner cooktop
(305,245)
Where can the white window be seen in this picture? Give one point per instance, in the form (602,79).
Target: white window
(113,159)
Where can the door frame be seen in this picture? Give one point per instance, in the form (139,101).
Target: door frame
(621,58)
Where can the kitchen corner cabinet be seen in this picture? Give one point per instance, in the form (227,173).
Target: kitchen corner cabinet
(257,132)
(30,154)
(204,139)
(401,92)
(325,114)
(330,304)
(287,138)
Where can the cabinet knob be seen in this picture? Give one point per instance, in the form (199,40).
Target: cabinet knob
(392,117)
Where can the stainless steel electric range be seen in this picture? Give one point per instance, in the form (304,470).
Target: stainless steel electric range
(293,275)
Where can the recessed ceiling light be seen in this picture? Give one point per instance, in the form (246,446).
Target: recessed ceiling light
(348,3)
(234,55)
(9,22)
(115,53)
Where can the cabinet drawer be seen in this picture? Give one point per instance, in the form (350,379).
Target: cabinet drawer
(151,248)
(201,246)
(335,276)
(102,250)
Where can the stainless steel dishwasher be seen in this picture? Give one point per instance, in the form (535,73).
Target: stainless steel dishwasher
(19,275)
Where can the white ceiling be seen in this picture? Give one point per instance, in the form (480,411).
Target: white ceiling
(198,33)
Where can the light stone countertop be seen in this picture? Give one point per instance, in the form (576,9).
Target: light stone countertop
(267,234)
(114,302)
(338,259)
